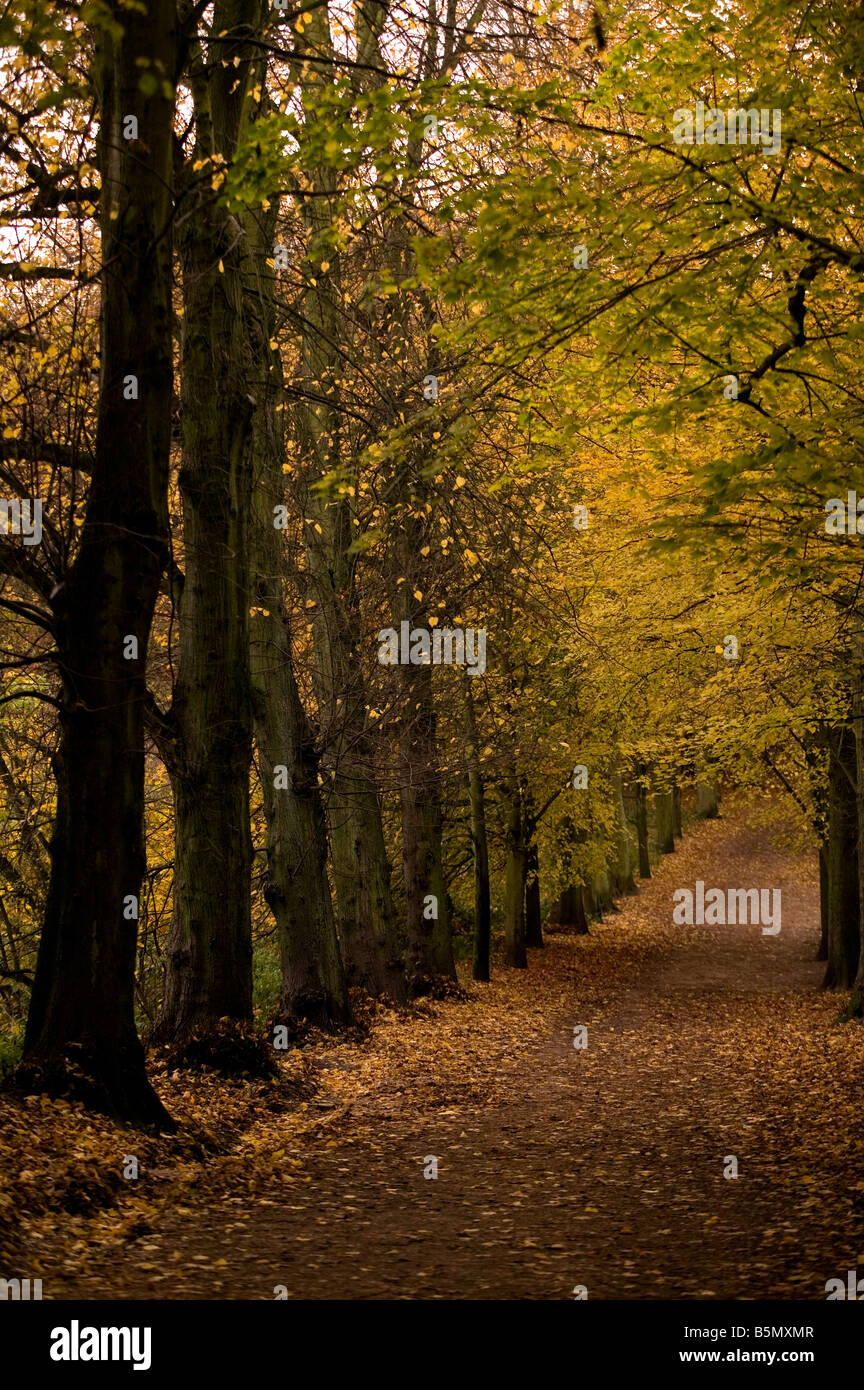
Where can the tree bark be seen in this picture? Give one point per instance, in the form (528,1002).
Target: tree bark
(313,980)
(429,956)
(592,908)
(624,880)
(663,823)
(81,1027)
(430,948)
(824,914)
(677,828)
(369,932)
(816,756)
(479,841)
(842,860)
(707,801)
(314,988)
(208,976)
(642,824)
(533,915)
(601,891)
(855,1007)
(514,887)
(569,912)
(576,911)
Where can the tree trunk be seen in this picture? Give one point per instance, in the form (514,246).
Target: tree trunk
(624,881)
(81,1027)
(569,911)
(479,841)
(707,801)
(314,989)
(576,911)
(411,523)
(824,915)
(816,755)
(514,887)
(592,908)
(430,948)
(601,891)
(298,893)
(855,1007)
(208,976)
(533,915)
(642,825)
(371,943)
(663,823)
(677,829)
(842,860)
(369,933)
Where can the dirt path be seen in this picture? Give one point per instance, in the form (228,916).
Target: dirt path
(557,1167)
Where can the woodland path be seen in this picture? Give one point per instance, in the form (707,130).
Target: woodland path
(601,1167)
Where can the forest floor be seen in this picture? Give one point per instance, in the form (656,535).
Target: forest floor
(557,1167)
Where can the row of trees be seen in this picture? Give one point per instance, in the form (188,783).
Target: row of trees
(316,325)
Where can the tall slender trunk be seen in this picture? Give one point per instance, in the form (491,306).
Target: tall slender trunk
(514,886)
(824,913)
(570,910)
(368,929)
(624,880)
(642,823)
(842,860)
(81,1025)
(208,976)
(371,941)
(816,756)
(855,1007)
(533,914)
(479,841)
(677,828)
(372,944)
(430,948)
(298,891)
(663,825)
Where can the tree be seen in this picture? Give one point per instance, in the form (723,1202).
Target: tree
(206,736)
(314,988)
(81,1024)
